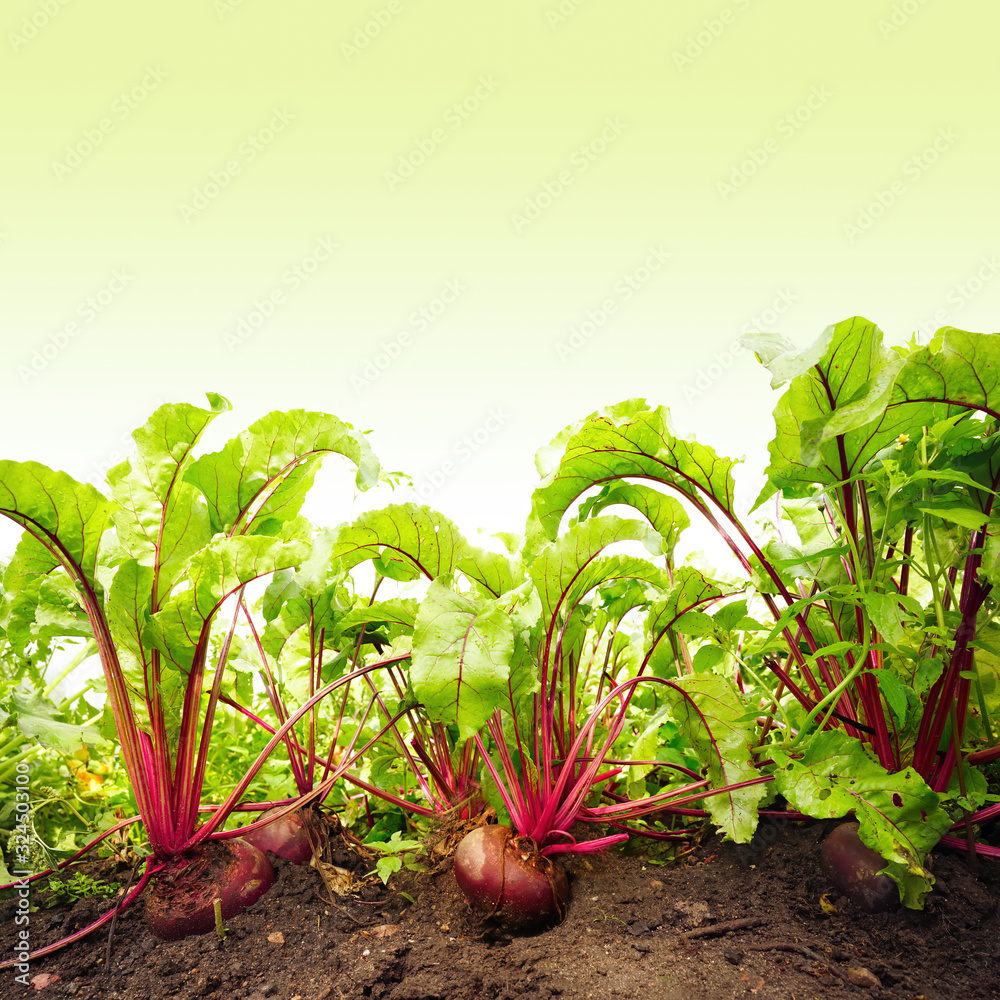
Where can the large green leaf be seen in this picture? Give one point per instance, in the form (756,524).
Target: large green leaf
(833,418)
(663,512)
(782,358)
(213,574)
(569,569)
(425,541)
(128,605)
(957,368)
(630,440)
(36,718)
(691,589)
(462,650)
(711,715)
(65,519)
(161,520)
(899,815)
(495,573)
(259,480)
(401,611)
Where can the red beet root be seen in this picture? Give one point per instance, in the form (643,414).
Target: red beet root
(504,876)
(182,898)
(285,838)
(853,868)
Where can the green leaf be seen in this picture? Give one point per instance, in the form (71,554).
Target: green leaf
(569,569)
(401,611)
(780,356)
(664,513)
(966,517)
(690,589)
(887,616)
(388,866)
(895,692)
(707,657)
(259,480)
(65,520)
(213,574)
(128,605)
(422,538)
(493,572)
(630,440)
(462,650)
(710,713)
(36,719)
(161,520)
(695,623)
(958,368)
(834,417)
(899,815)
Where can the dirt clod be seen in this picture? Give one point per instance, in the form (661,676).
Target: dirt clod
(861,976)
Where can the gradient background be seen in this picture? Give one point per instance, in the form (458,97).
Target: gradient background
(698,90)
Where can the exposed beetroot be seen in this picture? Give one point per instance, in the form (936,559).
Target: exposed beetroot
(285,838)
(182,899)
(504,876)
(852,867)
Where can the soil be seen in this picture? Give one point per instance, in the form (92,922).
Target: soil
(634,928)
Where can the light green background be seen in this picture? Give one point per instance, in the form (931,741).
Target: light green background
(699,94)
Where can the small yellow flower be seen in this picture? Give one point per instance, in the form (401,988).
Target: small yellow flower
(901,440)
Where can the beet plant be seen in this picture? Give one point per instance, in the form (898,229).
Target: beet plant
(550,677)
(146,573)
(874,680)
(425,764)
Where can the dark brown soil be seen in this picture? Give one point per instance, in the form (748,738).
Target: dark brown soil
(632,930)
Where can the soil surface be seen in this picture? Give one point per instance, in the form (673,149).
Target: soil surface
(634,928)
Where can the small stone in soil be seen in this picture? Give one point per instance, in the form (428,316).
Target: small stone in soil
(732,955)
(861,976)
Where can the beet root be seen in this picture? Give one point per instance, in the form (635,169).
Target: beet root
(182,899)
(853,869)
(504,876)
(285,838)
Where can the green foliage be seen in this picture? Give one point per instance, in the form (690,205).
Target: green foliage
(848,664)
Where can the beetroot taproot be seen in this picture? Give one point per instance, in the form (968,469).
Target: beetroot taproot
(853,869)
(503,876)
(182,900)
(286,837)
